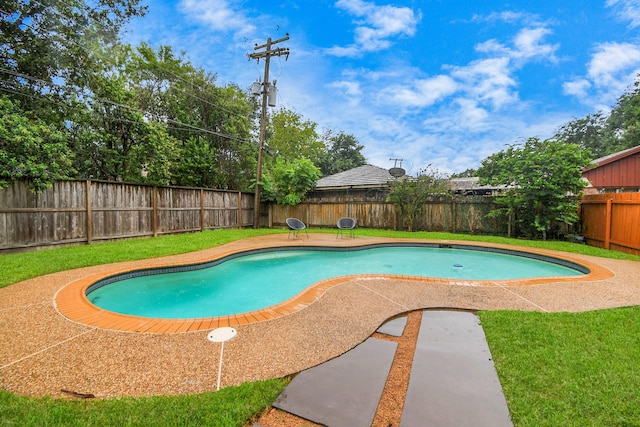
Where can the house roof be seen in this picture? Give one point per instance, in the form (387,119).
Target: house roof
(614,157)
(367,176)
(471,184)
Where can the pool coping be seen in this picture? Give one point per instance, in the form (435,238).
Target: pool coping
(72,303)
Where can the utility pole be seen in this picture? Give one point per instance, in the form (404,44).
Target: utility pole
(268,91)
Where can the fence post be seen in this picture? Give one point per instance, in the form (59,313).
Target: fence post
(239,220)
(154,220)
(607,225)
(202,209)
(454,215)
(88,212)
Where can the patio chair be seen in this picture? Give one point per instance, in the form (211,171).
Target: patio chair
(344,225)
(295,225)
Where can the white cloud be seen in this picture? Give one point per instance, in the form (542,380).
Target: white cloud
(471,116)
(376,26)
(612,59)
(350,88)
(627,10)
(510,17)
(351,51)
(487,83)
(578,88)
(488,80)
(612,68)
(220,15)
(422,93)
(350,91)
(527,45)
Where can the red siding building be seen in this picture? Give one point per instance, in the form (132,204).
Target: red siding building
(615,173)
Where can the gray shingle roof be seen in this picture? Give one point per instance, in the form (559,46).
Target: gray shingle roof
(361,177)
(471,183)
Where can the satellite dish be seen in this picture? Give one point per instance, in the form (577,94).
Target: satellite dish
(397,172)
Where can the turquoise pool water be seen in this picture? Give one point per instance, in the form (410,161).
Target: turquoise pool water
(258,280)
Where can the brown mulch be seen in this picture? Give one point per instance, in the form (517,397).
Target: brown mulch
(391,403)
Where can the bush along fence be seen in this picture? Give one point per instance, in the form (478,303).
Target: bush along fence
(86,211)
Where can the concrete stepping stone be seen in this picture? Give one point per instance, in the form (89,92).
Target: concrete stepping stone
(453,381)
(345,391)
(394,327)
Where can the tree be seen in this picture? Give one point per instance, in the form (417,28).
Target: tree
(63,41)
(543,180)
(590,133)
(115,140)
(287,182)
(467,173)
(152,117)
(410,194)
(290,137)
(212,122)
(623,124)
(51,53)
(343,153)
(30,149)
(607,134)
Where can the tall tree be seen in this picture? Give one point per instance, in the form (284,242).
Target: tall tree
(213,123)
(114,138)
(590,133)
(50,53)
(62,41)
(467,173)
(543,181)
(291,137)
(623,124)
(30,149)
(343,153)
(606,134)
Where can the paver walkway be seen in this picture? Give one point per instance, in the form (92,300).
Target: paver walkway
(453,381)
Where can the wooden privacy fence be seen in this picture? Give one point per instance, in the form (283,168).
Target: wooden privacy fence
(612,221)
(463,214)
(84,211)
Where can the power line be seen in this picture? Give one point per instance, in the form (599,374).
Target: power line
(107,101)
(233,113)
(55,12)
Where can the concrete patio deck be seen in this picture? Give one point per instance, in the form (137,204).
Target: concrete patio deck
(52,340)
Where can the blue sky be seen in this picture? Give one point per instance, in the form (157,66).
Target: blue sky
(444,83)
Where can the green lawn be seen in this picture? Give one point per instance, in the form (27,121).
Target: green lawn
(559,369)
(229,407)
(568,369)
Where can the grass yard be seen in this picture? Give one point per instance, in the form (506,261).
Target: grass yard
(229,407)
(557,369)
(568,369)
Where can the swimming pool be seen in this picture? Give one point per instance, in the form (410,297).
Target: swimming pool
(253,280)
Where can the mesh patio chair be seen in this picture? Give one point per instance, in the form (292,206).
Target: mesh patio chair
(295,225)
(346,225)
